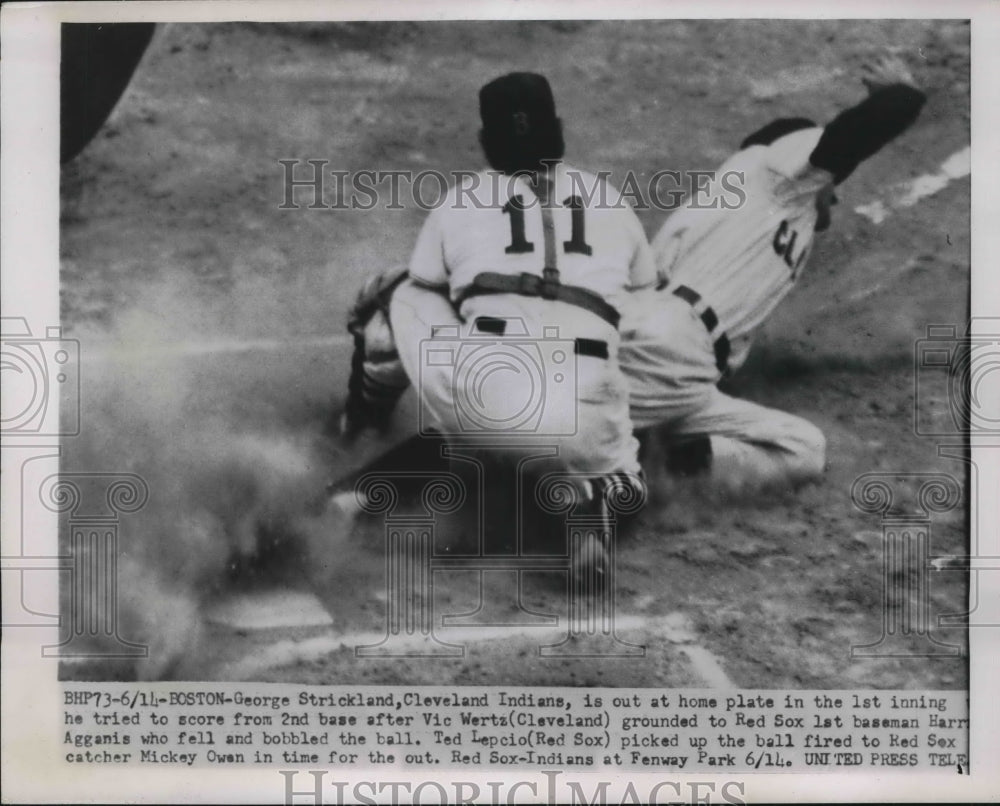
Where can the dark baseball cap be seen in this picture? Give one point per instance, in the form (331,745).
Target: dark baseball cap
(518,104)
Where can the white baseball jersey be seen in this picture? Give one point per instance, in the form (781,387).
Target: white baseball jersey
(493,223)
(743,261)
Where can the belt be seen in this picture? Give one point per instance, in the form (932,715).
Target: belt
(594,348)
(721,345)
(547,287)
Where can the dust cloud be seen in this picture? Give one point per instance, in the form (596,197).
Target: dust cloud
(228,441)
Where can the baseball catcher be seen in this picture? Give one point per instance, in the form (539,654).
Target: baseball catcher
(518,265)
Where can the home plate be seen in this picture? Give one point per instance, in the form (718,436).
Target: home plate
(267,610)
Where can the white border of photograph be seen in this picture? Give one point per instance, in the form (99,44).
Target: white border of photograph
(29,165)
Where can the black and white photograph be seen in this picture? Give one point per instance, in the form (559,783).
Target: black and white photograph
(512,357)
(240,263)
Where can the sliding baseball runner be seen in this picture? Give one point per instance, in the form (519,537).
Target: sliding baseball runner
(723,271)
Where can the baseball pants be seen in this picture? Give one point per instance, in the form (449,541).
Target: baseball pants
(668,357)
(587,421)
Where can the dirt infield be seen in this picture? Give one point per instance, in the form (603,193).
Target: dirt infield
(172,231)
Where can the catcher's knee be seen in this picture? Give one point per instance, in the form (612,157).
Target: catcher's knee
(384,382)
(377,380)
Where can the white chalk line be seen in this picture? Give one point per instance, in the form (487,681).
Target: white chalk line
(674,628)
(681,631)
(269,610)
(907,194)
(889,277)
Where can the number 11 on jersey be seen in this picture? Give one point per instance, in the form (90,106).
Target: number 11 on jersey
(519,244)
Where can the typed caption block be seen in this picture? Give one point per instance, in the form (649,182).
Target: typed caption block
(643,729)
